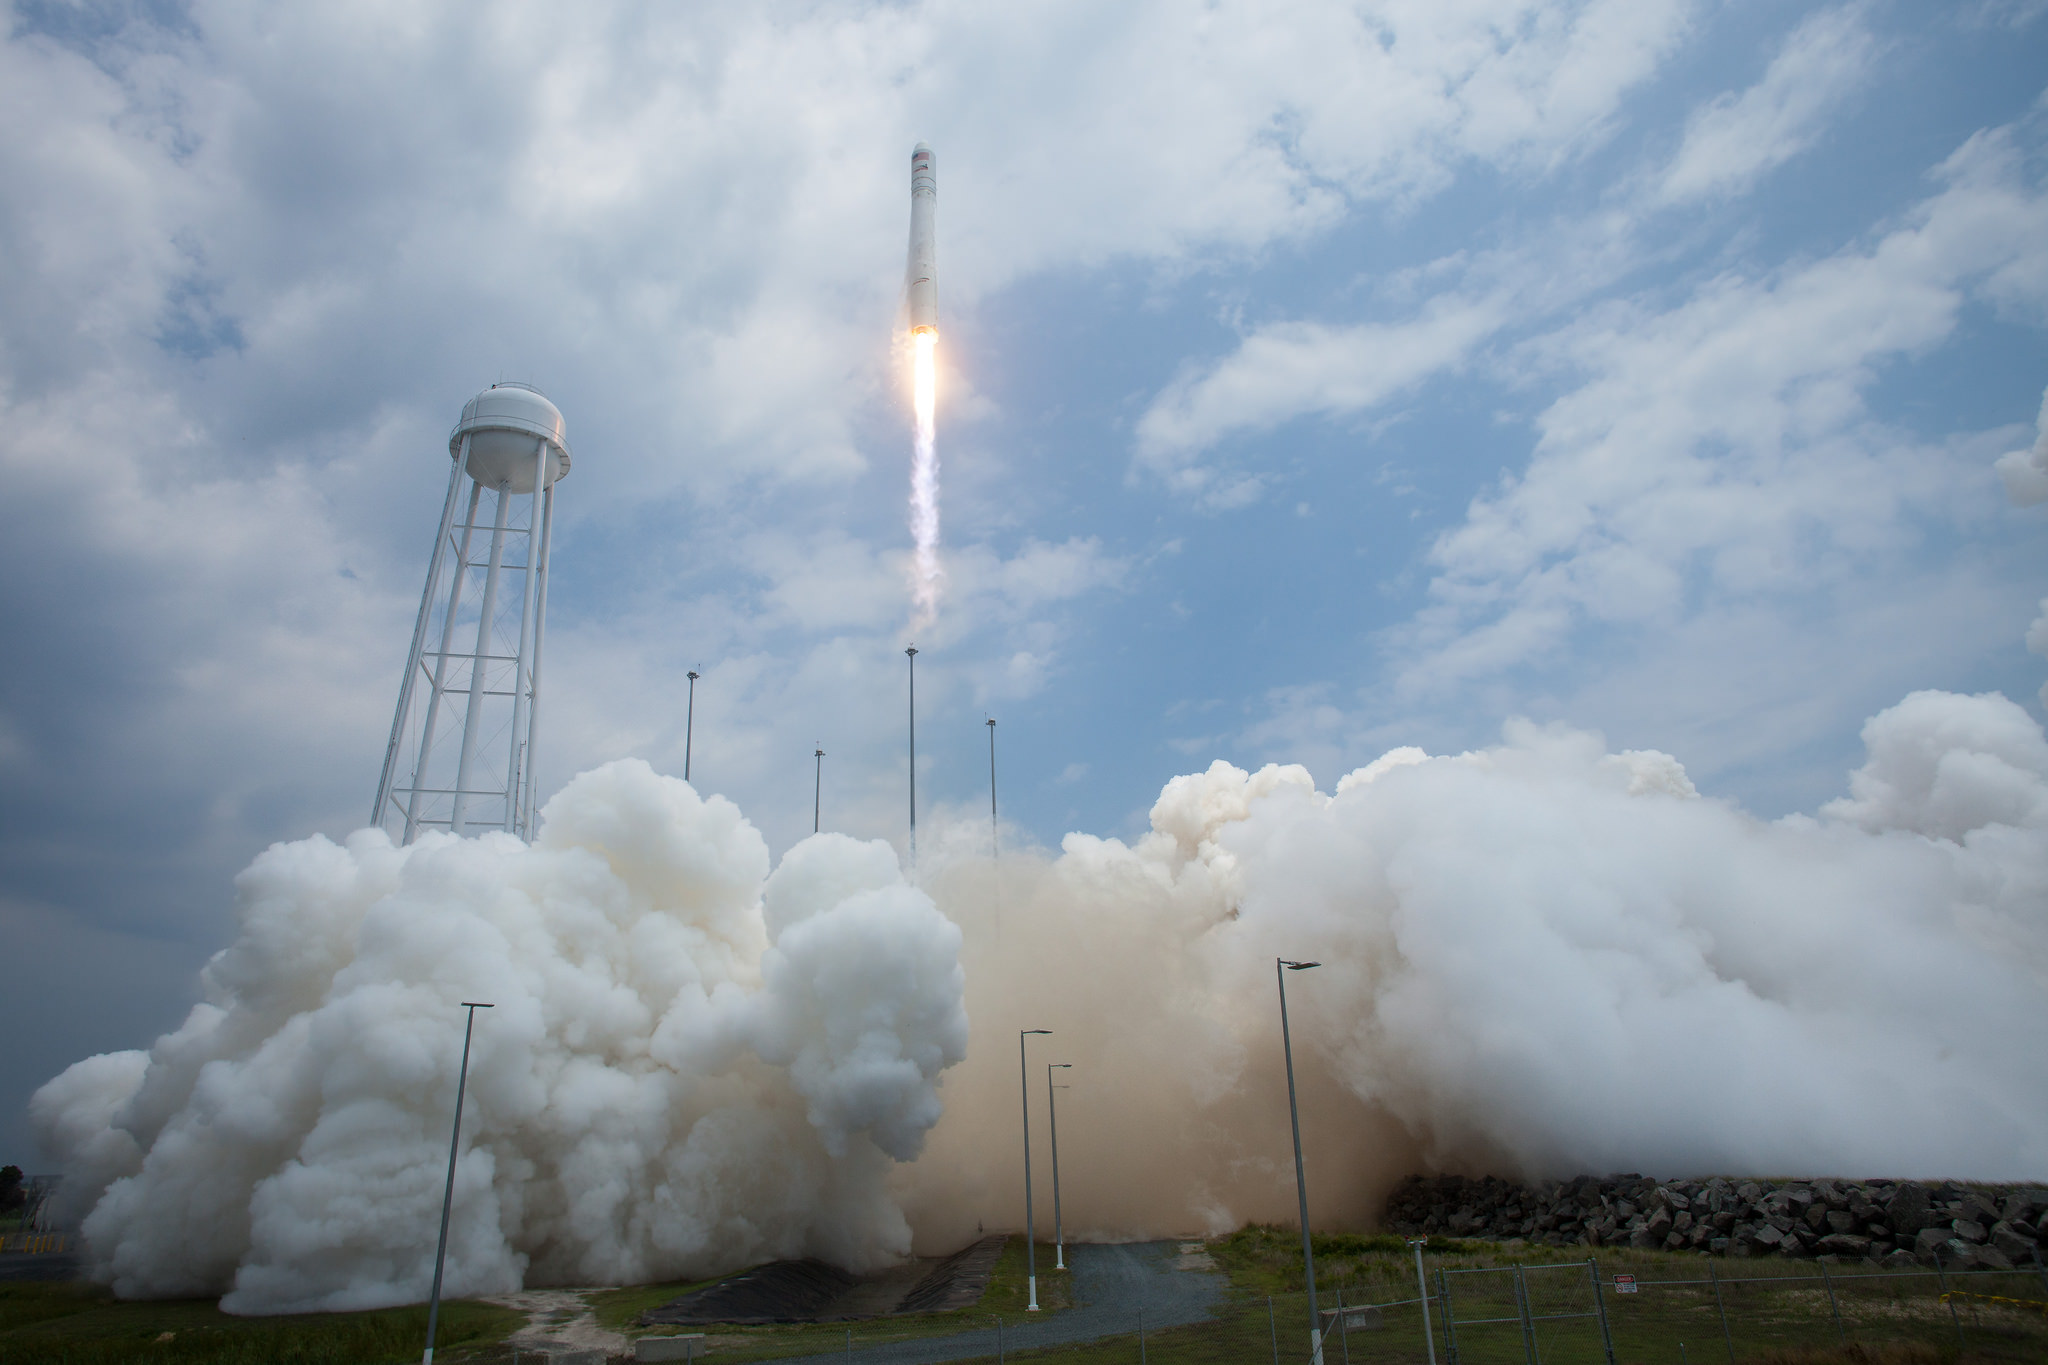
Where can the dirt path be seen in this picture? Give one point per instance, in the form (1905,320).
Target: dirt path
(559,1320)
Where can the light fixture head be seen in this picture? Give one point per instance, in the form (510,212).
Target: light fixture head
(1298,966)
(1034,1030)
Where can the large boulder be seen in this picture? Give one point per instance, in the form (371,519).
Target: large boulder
(2009,1241)
(1928,1241)
(1908,1212)
(1843,1244)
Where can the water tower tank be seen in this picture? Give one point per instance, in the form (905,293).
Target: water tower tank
(502,423)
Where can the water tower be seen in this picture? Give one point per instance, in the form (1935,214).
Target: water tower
(475,659)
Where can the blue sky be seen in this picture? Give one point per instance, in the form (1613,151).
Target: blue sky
(1316,379)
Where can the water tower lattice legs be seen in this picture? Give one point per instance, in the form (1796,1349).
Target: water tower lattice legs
(511,443)
(479,668)
(438,681)
(419,643)
(540,629)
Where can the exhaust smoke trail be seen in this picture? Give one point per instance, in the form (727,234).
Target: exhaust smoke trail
(924,485)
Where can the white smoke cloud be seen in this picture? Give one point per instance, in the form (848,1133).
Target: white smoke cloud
(1540,958)
(676,1076)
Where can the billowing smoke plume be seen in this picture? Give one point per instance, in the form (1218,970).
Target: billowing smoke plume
(1539,959)
(691,1064)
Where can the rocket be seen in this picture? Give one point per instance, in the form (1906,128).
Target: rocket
(923,276)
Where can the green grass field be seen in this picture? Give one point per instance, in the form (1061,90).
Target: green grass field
(74,1324)
(1777,1312)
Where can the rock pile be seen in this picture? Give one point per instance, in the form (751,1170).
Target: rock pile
(1900,1222)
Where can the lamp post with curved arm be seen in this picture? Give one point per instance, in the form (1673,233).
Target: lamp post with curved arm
(1052,1114)
(1281,966)
(1030,1251)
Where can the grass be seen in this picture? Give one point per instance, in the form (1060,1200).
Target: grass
(619,1310)
(74,1324)
(1774,1315)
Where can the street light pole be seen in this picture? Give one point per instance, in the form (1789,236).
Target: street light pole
(448,1195)
(911,653)
(689,724)
(1281,966)
(994,834)
(818,794)
(1030,1250)
(1052,1113)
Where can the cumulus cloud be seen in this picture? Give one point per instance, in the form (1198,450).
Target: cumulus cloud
(690,1064)
(1737,138)
(2026,471)
(1720,450)
(1290,369)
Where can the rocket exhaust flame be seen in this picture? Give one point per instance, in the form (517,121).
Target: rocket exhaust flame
(924,485)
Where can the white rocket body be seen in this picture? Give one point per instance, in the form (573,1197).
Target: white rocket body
(924,272)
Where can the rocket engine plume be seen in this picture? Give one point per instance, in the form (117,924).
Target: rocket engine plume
(924,485)
(921,287)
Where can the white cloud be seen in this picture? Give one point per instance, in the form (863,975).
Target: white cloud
(1289,369)
(2026,471)
(1738,137)
(1722,446)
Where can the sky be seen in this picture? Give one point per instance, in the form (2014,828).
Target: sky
(1315,379)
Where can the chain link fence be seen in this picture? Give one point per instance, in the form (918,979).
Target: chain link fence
(1560,1313)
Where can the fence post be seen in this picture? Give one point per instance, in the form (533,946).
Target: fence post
(1722,1304)
(1522,1307)
(1422,1297)
(849,1346)
(1443,1290)
(1953,1316)
(1600,1306)
(1343,1327)
(1141,1336)
(1833,1307)
(1270,1327)
(999,1339)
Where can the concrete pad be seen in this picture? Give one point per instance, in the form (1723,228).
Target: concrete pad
(686,1347)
